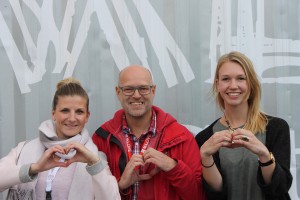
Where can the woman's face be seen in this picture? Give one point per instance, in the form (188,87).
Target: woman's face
(232,84)
(70,116)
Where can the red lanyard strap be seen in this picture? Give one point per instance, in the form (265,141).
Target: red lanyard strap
(144,146)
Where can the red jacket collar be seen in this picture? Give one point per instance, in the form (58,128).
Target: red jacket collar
(114,125)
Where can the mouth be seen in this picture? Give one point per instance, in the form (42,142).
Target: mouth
(71,125)
(233,94)
(136,103)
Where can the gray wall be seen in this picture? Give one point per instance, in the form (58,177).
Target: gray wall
(41,42)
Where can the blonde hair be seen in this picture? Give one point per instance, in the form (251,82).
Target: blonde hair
(257,120)
(69,87)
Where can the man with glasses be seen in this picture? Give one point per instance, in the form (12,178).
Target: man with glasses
(148,151)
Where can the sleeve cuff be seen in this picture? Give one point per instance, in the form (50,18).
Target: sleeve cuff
(24,174)
(98,166)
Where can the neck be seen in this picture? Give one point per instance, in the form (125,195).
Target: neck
(138,126)
(236,117)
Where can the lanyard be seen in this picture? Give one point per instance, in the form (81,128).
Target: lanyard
(50,177)
(144,146)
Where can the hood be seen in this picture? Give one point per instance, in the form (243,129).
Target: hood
(48,137)
(47,129)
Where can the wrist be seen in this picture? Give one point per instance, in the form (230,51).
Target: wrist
(264,156)
(121,185)
(266,162)
(33,169)
(92,162)
(172,164)
(208,163)
(204,154)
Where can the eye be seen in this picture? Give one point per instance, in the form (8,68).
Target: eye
(225,79)
(144,89)
(80,112)
(241,78)
(128,89)
(65,110)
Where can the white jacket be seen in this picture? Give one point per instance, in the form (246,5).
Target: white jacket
(102,185)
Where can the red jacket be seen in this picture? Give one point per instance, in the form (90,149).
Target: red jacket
(182,182)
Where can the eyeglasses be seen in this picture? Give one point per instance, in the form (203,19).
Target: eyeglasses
(143,90)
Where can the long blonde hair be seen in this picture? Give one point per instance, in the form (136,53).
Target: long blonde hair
(257,120)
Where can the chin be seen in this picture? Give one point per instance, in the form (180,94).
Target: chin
(71,134)
(137,114)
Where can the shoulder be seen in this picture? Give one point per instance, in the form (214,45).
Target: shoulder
(176,130)
(91,145)
(277,131)
(175,134)
(35,143)
(101,132)
(276,123)
(205,134)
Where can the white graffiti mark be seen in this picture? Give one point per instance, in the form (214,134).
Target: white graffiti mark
(65,59)
(156,30)
(131,31)
(15,57)
(266,53)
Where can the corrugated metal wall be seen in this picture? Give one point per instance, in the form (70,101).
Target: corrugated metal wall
(42,42)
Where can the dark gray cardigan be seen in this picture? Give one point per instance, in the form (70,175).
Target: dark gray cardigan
(277,142)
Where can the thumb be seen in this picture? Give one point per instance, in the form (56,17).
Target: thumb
(154,171)
(144,177)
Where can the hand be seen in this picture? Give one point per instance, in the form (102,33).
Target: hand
(215,142)
(251,143)
(83,154)
(161,160)
(131,174)
(48,160)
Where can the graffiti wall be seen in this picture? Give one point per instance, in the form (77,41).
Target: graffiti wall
(42,42)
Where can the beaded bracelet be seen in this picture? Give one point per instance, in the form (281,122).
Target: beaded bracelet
(207,166)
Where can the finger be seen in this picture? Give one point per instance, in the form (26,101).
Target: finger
(71,146)
(136,158)
(70,161)
(154,171)
(58,148)
(61,164)
(221,137)
(153,154)
(144,177)
(150,150)
(245,138)
(53,150)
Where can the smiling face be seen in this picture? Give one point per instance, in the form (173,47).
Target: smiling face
(232,84)
(70,115)
(137,105)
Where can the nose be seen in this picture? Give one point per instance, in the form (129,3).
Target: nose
(233,83)
(136,93)
(72,116)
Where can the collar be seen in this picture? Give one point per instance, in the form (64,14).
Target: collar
(152,127)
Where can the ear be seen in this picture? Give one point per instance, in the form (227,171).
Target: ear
(153,89)
(87,116)
(217,84)
(117,89)
(53,113)
(118,92)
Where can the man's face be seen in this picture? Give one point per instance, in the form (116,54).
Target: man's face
(136,92)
